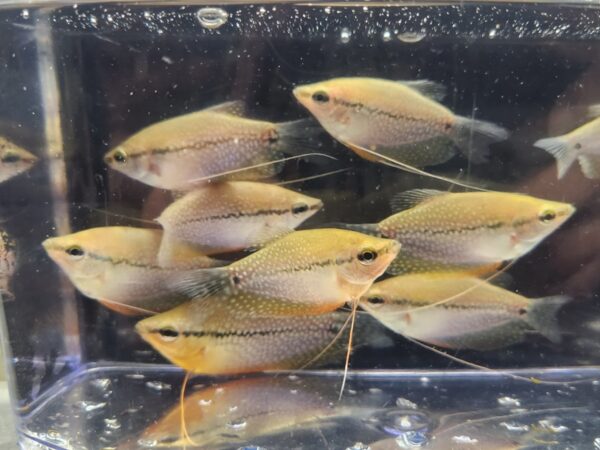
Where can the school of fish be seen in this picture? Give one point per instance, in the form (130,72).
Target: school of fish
(229,284)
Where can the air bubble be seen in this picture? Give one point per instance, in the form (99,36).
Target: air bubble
(239,424)
(509,401)
(25,14)
(205,402)
(112,424)
(464,440)
(93,20)
(90,406)
(101,383)
(386,36)
(158,386)
(359,446)
(411,37)
(405,403)
(345,35)
(515,427)
(212,18)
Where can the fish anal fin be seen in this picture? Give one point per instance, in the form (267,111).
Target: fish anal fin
(430,89)
(409,199)
(590,165)
(232,108)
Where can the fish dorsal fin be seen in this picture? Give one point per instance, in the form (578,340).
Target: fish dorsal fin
(233,108)
(412,198)
(594,110)
(431,89)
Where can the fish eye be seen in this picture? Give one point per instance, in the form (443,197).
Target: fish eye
(547,215)
(120,156)
(75,251)
(375,300)
(168,334)
(367,257)
(10,157)
(320,97)
(299,208)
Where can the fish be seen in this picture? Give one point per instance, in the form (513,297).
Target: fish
(233,216)
(266,406)
(474,314)
(580,145)
(118,267)
(216,143)
(320,269)
(470,232)
(14,160)
(396,122)
(8,263)
(210,337)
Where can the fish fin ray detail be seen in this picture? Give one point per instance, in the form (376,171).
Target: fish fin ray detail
(202,283)
(590,166)
(232,108)
(473,137)
(409,199)
(428,88)
(542,316)
(559,148)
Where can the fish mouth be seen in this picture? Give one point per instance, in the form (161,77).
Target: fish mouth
(301,93)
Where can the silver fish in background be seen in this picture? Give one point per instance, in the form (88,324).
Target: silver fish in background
(215,143)
(470,232)
(320,269)
(581,144)
(402,120)
(14,160)
(8,263)
(233,216)
(118,267)
(479,316)
(266,406)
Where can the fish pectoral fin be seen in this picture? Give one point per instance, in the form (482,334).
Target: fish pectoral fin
(231,108)
(430,89)
(409,199)
(590,165)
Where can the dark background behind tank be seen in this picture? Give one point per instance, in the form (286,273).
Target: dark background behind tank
(532,70)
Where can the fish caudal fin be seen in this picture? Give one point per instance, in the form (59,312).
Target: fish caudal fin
(542,316)
(590,166)
(297,137)
(473,137)
(559,148)
(202,283)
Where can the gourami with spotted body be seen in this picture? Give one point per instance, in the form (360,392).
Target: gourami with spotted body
(471,232)
(232,216)
(118,267)
(14,160)
(216,143)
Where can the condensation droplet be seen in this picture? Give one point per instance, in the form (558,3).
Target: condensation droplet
(112,423)
(90,406)
(212,18)
(345,35)
(239,424)
(158,385)
(411,37)
(25,14)
(327,10)
(93,20)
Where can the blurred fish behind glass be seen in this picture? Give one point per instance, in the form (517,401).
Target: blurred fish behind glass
(14,160)
(8,262)
(232,216)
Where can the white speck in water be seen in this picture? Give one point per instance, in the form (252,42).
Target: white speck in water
(158,385)
(135,376)
(464,440)
(405,403)
(205,402)
(167,60)
(219,390)
(549,425)
(101,383)
(345,35)
(93,20)
(90,406)
(25,14)
(508,401)
(261,10)
(25,88)
(596,382)
(293,377)
(515,427)
(293,391)
(424,381)
(359,446)
(233,408)
(375,391)
(112,424)
(597,443)
(239,424)
(386,36)
(327,10)
(147,443)
(411,37)
(212,18)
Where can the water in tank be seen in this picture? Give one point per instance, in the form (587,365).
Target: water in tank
(301,225)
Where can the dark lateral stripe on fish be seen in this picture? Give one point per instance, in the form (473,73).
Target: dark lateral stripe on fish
(333,328)
(449,305)
(195,145)
(242,214)
(381,112)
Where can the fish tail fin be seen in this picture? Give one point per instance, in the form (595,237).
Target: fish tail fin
(298,137)
(559,148)
(473,137)
(542,316)
(200,283)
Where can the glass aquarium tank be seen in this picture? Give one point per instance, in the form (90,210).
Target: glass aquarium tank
(301,225)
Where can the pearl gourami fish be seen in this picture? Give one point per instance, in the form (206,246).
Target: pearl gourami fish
(14,160)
